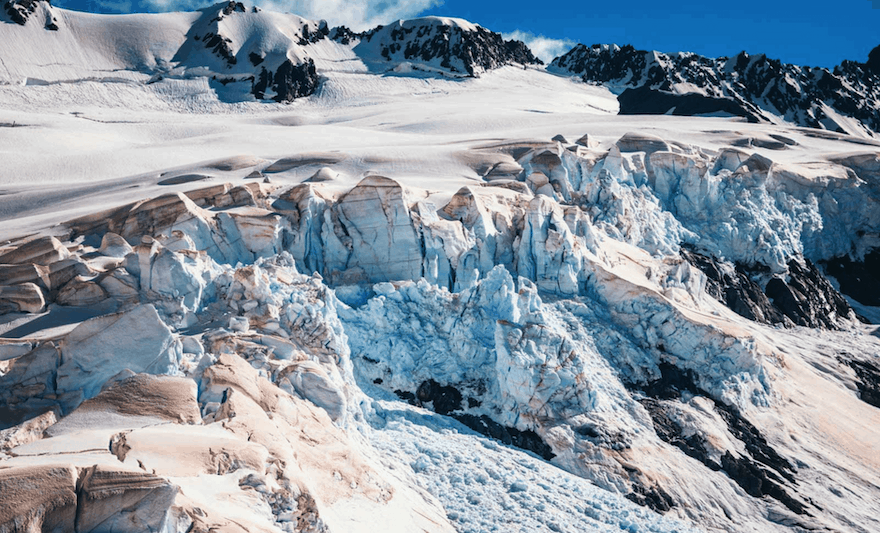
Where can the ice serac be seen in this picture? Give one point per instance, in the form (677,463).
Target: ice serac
(139,400)
(40,251)
(630,317)
(99,348)
(322,478)
(28,431)
(751,86)
(38,498)
(22,298)
(119,499)
(448,45)
(375,234)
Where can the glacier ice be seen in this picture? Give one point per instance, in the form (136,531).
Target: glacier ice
(550,305)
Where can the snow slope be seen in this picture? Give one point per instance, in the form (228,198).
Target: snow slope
(422,301)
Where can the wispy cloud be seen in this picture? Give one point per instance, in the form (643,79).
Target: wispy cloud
(544,47)
(356,14)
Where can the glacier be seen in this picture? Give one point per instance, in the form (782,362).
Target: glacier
(406,301)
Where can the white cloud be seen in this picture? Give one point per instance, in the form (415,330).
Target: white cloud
(356,14)
(545,48)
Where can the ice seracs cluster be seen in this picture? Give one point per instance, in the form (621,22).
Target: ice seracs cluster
(598,306)
(398,316)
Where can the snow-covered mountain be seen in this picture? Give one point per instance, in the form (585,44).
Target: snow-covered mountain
(247,51)
(258,273)
(845,99)
(442,44)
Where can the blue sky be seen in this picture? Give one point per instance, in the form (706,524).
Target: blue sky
(805,32)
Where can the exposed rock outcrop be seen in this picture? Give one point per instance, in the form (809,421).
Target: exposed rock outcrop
(860,280)
(435,43)
(751,86)
(759,471)
(644,100)
(274,66)
(804,297)
(21,11)
(287,82)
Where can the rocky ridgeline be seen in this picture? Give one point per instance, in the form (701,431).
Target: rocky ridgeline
(445,44)
(274,62)
(278,66)
(271,54)
(21,11)
(753,87)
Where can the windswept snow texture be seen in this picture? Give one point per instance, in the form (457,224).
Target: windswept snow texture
(844,99)
(425,297)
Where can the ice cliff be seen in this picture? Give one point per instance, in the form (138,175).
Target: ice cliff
(605,308)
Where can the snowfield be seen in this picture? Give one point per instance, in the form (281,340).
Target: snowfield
(416,299)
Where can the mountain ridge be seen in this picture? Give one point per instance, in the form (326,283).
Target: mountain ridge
(751,86)
(280,57)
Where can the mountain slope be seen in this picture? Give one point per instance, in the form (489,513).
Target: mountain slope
(845,99)
(247,52)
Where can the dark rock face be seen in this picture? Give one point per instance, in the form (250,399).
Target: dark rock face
(873,63)
(763,472)
(220,45)
(672,383)
(807,298)
(868,380)
(444,399)
(654,498)
(309,36)
(343,35)
(288,82)
(279,77)
(294,81)
(21,10)
(457,49)
(672,433)
(647,101)
(734,288)
(525,440)
(231,7)
(754,87)
(447,400)
(860,280)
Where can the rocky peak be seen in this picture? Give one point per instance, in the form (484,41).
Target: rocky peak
(436,43)
(225,29)
(873,63)
(237,44)
(20,11)
(753,86)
